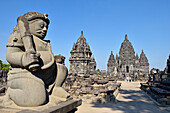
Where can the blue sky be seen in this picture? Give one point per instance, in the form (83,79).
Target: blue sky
(104,22)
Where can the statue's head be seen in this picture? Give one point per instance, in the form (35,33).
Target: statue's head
(38,23)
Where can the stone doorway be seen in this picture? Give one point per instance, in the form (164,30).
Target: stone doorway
(127,69)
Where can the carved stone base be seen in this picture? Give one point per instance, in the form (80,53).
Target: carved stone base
(69,106)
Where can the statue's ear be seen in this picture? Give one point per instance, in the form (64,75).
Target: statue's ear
(23,26)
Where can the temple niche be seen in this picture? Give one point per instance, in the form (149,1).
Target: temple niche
(81,62)
(127,64)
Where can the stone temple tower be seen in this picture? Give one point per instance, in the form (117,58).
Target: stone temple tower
(81,62)
(127,63)
(126,57)
(112,64)
(144,65)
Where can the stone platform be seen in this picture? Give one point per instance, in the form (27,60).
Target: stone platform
(159,92)
(69,106)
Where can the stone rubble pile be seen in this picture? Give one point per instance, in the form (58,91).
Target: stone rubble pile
(95,88)
(158,85)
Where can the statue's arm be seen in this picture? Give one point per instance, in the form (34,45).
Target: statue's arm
(18,58)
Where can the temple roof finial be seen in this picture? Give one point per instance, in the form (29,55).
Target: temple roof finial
(117,56)
(82,32)
(126,37)
(137,57)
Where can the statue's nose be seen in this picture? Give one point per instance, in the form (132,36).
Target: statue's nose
(45,29)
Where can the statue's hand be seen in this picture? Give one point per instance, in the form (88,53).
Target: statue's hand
(30,60)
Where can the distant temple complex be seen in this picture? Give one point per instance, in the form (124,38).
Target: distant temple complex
(127,64)
(81,61)
(84,81)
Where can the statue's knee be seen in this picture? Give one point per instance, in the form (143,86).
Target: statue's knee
(32,93)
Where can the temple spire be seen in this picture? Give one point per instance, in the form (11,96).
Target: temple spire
(111,56)
(82,32)
(117,57)
(137,57)
(80,60)
(126,37)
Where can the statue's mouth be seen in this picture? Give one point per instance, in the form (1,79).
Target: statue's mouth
(42,33)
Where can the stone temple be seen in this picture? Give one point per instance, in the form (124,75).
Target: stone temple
(127,64)
(81,62)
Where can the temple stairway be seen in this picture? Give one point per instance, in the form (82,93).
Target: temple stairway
(130,100)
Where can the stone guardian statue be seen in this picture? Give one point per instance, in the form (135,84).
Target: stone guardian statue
(35,78)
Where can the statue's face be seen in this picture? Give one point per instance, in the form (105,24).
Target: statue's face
(38,28)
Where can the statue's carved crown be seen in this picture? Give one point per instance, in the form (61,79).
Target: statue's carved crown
(35,15)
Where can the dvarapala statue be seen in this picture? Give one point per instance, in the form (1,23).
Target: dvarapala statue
(35,78)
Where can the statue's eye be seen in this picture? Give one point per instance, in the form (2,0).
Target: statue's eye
(42,25)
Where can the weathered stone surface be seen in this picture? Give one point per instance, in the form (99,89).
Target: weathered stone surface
(102,81)
(35,78)
(64,107)
(81,62)
(127,64)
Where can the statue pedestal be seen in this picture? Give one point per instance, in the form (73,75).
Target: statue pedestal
(69,106)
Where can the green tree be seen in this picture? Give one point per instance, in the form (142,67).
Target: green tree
(5,67)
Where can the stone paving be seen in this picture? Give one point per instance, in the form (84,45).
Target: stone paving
(130,100)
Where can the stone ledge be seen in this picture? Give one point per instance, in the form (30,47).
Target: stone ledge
(69,106)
